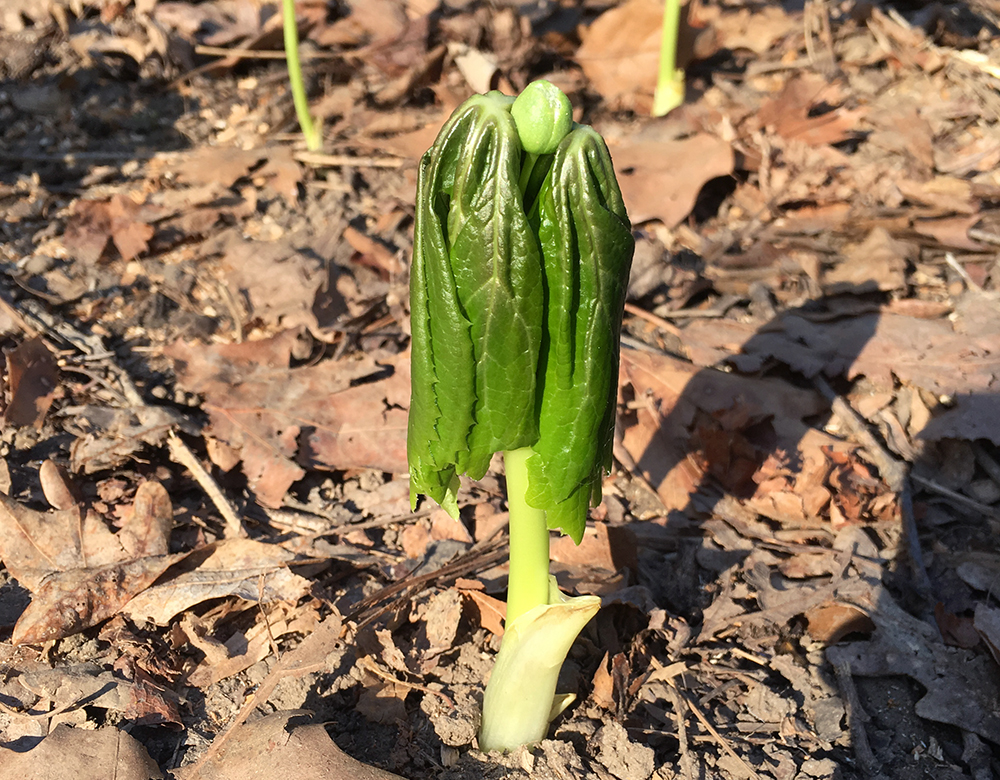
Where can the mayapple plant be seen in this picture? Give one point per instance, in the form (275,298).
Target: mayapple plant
(521,255)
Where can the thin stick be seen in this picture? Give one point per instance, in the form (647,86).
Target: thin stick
(368,664)
(856,719)
(659,322)
(258,54)
(687,763)
(91,344)
(182,454)
(342,160)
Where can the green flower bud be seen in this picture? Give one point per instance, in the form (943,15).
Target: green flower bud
(543,116)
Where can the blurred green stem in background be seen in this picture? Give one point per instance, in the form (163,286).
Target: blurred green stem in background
(670,82)
(314,139)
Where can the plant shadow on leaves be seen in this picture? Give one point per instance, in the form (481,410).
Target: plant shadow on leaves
(756,432)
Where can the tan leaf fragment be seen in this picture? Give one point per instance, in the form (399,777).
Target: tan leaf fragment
(661,178)
(251,570)
(791,116)
(492,611)
(831,622)
(877,263)
(109,753)
(675,392)
(33,382)
(243,649)
(283,419)
(94,222)
(78,571)
(283,744)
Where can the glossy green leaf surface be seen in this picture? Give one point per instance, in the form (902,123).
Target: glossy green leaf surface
(587,247)
(476,302)
(515,316)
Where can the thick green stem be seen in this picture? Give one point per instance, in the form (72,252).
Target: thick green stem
(314,140)
(670,82)
(528,583)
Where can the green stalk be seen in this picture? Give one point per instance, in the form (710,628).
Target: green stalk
(528,583)
(670,82)
(314,139)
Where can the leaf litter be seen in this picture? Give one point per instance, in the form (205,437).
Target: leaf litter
(815,223)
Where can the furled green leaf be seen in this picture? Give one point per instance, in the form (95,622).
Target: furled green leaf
(476,302)
(587,248)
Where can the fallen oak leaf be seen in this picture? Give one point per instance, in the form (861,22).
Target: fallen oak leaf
(95,222)
(33,379)
(661,178)
(283,744)
(140,700)
(251,570)
(281,419)
(78,571)
(109,753)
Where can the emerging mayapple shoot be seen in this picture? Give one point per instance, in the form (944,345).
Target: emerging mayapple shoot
(521,255)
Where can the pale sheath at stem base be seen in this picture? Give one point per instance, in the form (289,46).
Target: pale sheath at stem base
(521,696)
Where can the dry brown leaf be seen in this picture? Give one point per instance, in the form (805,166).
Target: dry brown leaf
(951,231)
(33,383)
(609,547)
(791,113)
(108,751)
(284,419)
(831,622)
(78,571)
(94,222)
(214,165)
(604,685)
(373,253)
(877,263)
(243,649)
(620,53)
(251,570)
(282,745)
(278,283)
(987,623)
(492,612)
(675,392)
(956,630)
(283,173)
(756,30)
(113,435)
(139,700)
(661,179)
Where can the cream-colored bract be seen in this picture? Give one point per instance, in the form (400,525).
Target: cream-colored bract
(520,697)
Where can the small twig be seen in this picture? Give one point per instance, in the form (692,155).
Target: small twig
(687,760)
(481,554)
(258,54)
(984,459)
(719,739)
(985,236)
(970,503)
(91,344)
(369,665)
(960,270)
(659,322)
(309,656)
(856,719)
(182,454)
(341,160)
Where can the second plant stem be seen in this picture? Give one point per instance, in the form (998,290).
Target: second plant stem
(314,140)
(528,582)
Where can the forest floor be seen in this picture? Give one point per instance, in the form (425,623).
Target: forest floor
(210,565)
